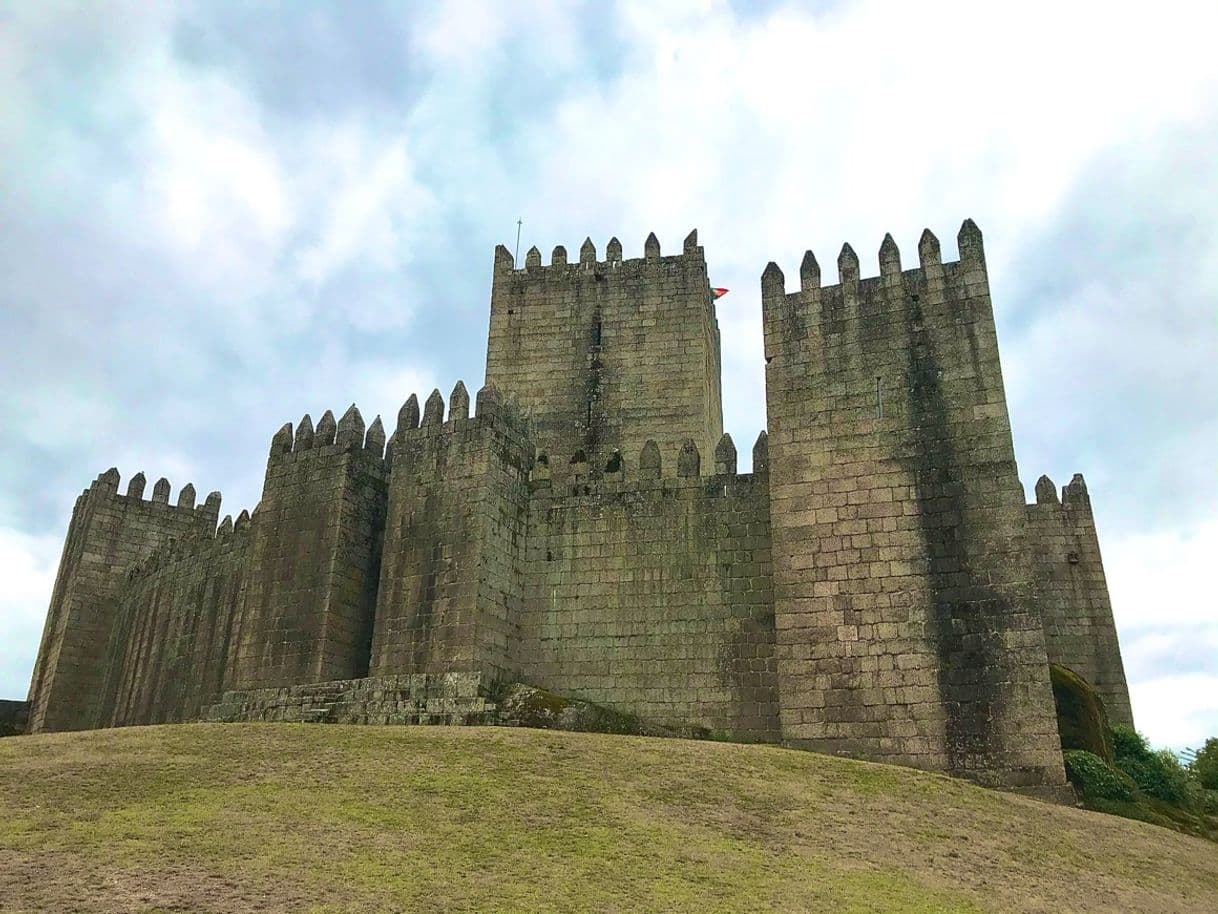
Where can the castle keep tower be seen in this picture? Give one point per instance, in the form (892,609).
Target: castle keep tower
(602,355)
(875,587)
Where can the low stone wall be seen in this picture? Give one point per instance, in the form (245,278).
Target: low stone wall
(14,717)
(448,698)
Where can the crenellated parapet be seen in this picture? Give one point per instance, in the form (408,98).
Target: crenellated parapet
(195,546)
(857,308)
(330,439)
(190,515)
(648,472)
(1068,570)
(613,267)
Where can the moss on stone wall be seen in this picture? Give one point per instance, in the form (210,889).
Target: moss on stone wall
(1082,721)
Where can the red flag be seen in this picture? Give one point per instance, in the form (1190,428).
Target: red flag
(718,293)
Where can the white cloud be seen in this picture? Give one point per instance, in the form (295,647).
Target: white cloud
(213,170)
(373,205)
(1159,578)
(27,565)
(1177,711)
(1167,617)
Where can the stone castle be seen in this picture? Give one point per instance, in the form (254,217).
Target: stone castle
(875,587)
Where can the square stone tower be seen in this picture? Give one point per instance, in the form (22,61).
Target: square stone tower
(602,355)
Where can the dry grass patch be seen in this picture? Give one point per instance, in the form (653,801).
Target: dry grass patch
(329,819)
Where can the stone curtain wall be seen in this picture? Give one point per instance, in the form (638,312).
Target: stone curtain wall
(651,594)
(907,627)
(602,355)
(450,579)
(109,534)
(1080,633)
(314,556)
(170,653)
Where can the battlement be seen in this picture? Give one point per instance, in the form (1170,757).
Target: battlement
(489,409)
(228,535)
(588,265)
(827,309)
(575,476)
(107,485)
(347,435)
(1073,500)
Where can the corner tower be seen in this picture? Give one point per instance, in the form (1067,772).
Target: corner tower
(603,355)
(908,626)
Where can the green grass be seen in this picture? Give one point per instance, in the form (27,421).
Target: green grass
(342,819)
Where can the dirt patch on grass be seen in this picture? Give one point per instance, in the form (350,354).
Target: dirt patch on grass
(73,884)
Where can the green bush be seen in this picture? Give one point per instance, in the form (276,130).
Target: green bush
(1129,743)
(1094,777)
(1204,768)
(1159,775)
(1207,801)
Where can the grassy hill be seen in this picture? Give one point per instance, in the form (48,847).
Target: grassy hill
(277,818)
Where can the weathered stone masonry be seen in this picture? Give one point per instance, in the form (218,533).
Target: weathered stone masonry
(875,587)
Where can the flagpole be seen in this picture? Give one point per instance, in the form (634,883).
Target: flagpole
(516,256)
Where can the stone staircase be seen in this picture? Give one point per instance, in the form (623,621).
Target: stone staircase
(448,698)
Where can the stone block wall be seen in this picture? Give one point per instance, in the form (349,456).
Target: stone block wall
(109,534)
(450,580)
(314,556)
(649,592)
(907,624)
(169,654)
(1080,633)
(602,355)
(447,698)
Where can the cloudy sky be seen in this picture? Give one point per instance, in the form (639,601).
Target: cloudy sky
(215,217)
